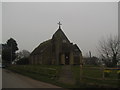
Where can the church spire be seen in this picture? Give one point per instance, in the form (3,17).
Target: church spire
(59,25)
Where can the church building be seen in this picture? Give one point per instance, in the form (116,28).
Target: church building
(56,51)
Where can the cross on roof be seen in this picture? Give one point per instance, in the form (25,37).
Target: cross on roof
(59,24)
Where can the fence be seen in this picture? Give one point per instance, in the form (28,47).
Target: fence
(100,74)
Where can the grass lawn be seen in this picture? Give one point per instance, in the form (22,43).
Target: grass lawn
(38,71)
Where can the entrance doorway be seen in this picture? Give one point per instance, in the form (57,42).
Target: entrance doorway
(67,61)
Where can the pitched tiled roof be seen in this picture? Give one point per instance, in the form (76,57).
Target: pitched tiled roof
(76,48)
(41,47)
(59,34)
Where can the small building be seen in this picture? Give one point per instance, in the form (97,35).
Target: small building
(56,51)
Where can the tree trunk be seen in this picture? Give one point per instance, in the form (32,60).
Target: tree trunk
(114,60)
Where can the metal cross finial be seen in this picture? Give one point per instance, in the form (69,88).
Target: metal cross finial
(59,24)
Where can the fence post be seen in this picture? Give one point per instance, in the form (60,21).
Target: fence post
(103,75)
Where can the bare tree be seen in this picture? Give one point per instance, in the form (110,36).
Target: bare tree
(110,50)
(23,54)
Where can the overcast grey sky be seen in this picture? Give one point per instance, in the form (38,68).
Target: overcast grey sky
(83,23)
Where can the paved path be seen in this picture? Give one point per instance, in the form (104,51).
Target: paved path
(14,80)
(66,75)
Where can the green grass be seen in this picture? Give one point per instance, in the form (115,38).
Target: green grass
(95,73)
(92,72)
(41,70)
